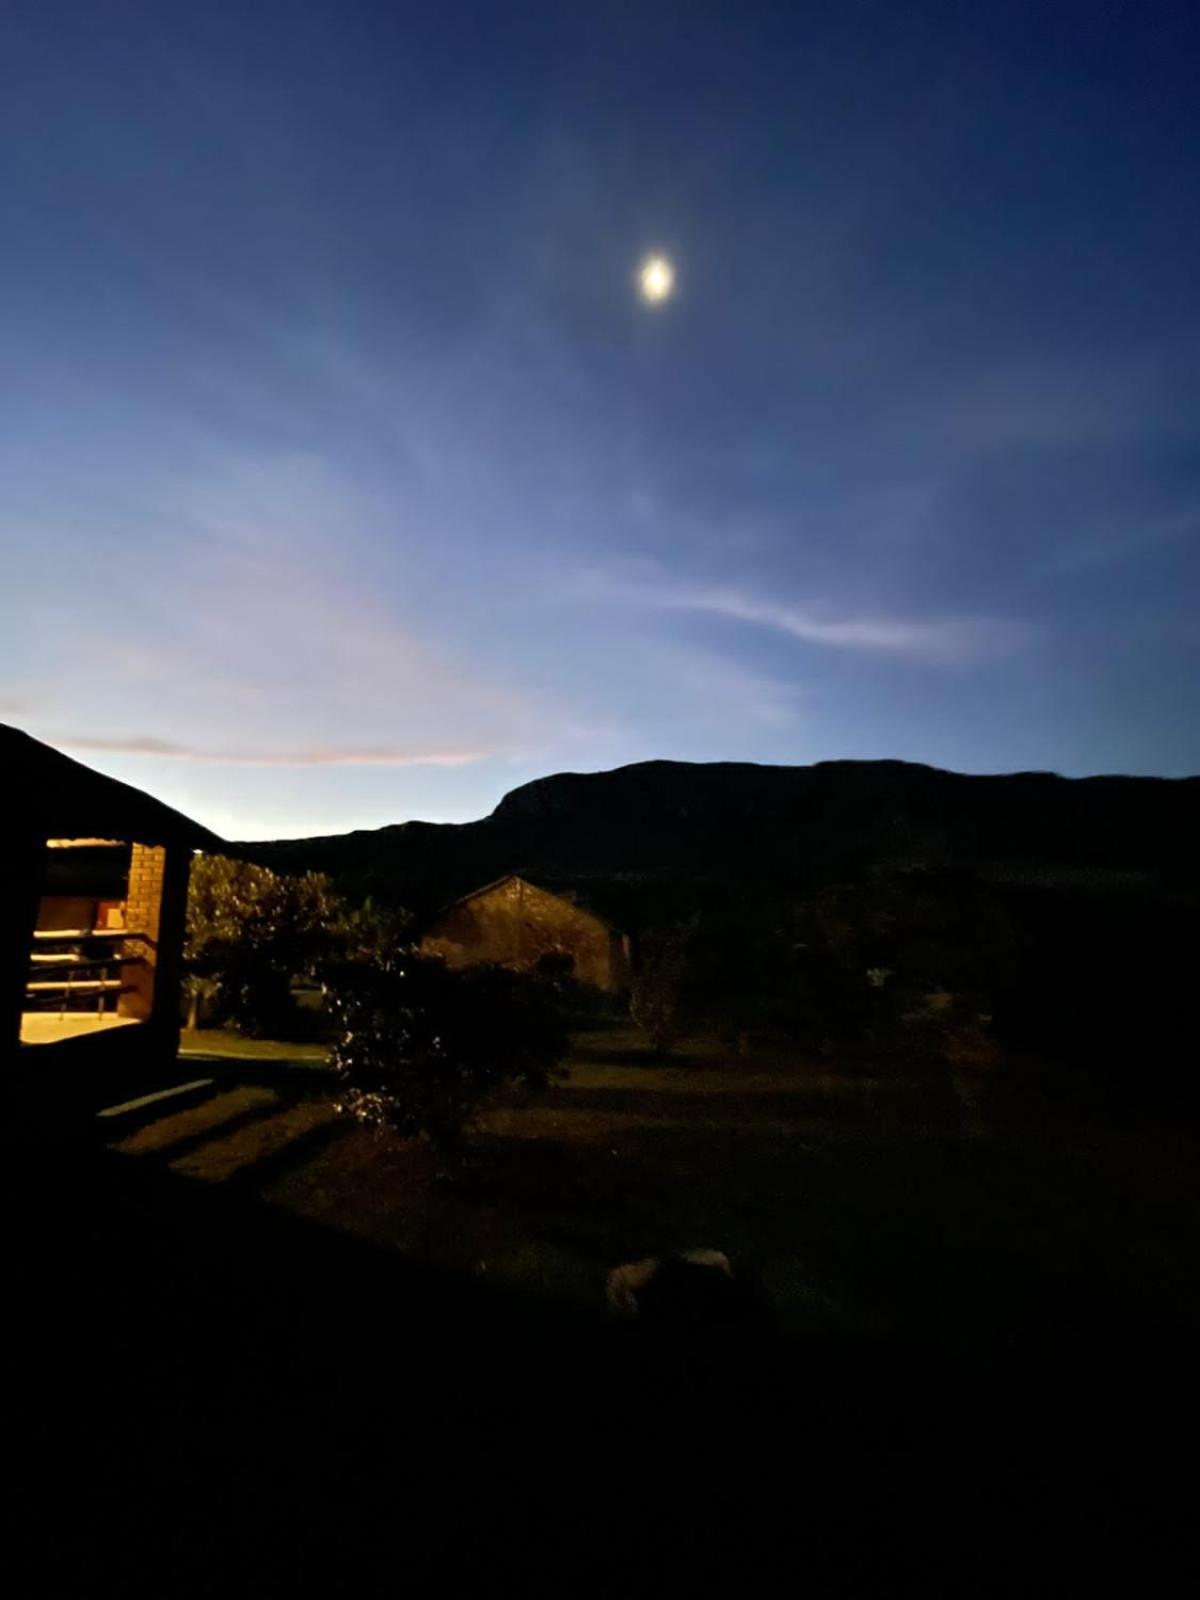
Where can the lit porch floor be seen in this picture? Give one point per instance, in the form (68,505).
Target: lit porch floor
(41,1027)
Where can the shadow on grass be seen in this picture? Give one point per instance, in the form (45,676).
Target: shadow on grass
(269,1169)
(209,1388)
(187,1143)
(648,1192)
(596,1053)
(848,1102)
(954,1245)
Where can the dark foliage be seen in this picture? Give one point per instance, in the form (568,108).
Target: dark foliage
(421,1046)
(861,909)
(659,1002)
(250,933)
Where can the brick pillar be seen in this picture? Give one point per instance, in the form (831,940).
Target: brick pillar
(172,920)
(143,913)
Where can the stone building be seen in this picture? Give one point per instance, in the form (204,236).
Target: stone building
(517,924)
(89,980)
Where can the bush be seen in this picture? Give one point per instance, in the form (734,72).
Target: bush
(656,1008)
(421,1046)
(657,1000)
(951,1028)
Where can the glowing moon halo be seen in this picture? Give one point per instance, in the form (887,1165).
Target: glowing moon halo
(656,279)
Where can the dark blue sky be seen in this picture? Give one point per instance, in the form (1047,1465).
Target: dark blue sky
(347,478)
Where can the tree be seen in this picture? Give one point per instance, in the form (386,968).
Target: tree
(250,932)
(421,1046)
(738,969)
(372,930)
(656,1003)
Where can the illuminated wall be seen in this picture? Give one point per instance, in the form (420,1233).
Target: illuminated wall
(515,924)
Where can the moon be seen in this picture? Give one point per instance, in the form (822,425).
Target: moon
(656,279)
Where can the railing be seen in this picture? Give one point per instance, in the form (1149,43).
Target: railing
(58,978)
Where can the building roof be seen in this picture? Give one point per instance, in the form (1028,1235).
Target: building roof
(517,877)
(49,796)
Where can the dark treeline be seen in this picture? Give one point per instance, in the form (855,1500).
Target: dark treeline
(863,910)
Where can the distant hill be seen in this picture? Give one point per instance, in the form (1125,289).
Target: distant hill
(641,837)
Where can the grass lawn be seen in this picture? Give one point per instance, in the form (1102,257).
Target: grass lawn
(225,1043)
(910,1207)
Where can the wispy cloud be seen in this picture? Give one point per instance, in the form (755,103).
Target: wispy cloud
(271,637)
(935,639)
(312,757)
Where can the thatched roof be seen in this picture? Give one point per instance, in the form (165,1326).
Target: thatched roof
(46,795)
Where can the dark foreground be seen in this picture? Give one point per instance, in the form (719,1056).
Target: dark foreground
(209,1397)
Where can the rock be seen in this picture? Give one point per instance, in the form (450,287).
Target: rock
(696,1286)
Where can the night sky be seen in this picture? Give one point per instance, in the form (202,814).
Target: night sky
(346,477)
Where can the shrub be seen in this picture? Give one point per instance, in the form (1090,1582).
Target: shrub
(421,1046)
(657,1000)
(655,1006)
(951,1028)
